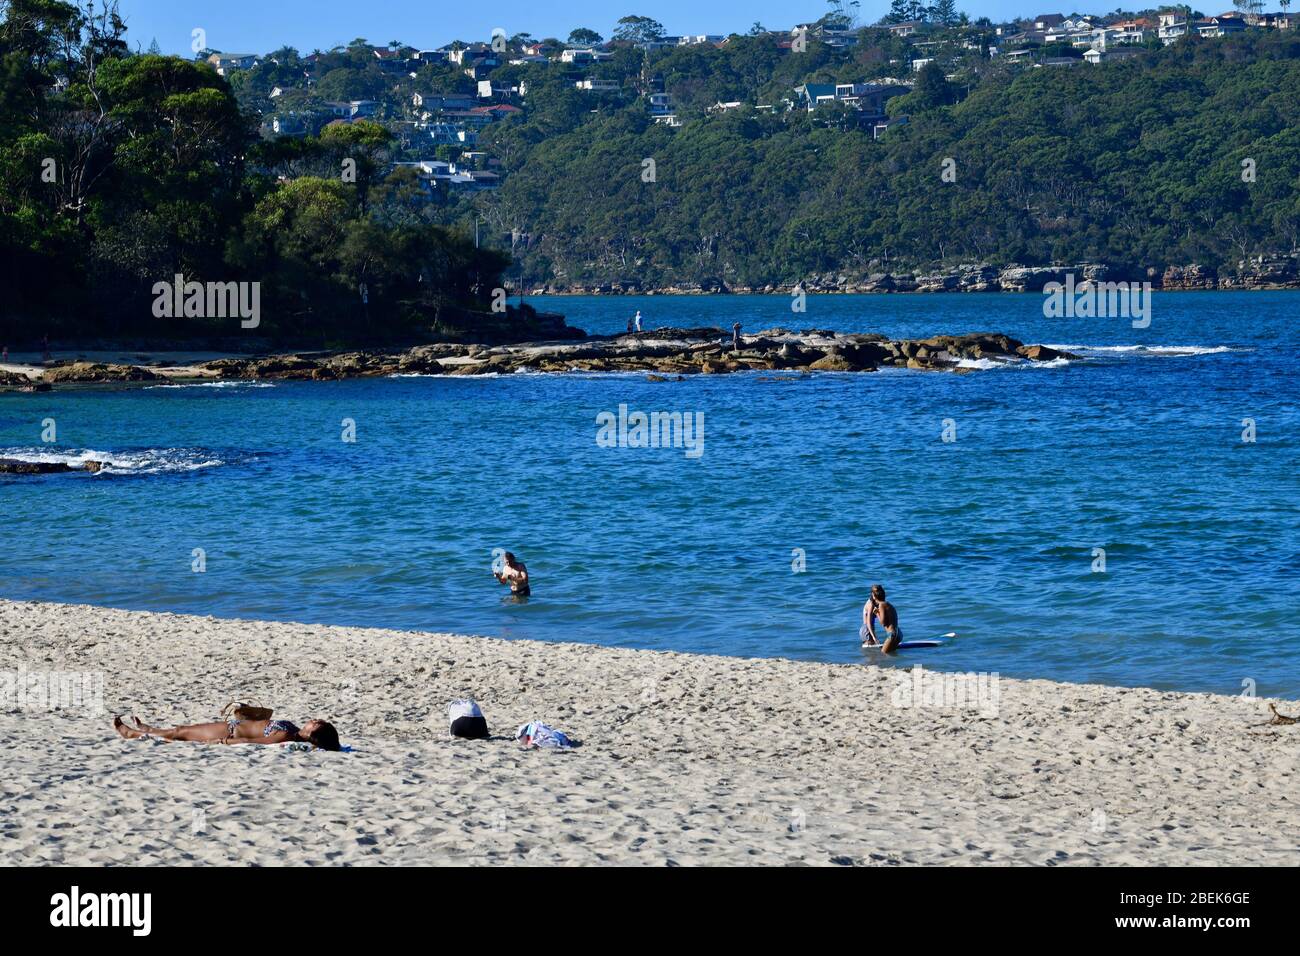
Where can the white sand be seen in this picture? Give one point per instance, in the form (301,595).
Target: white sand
(688,759)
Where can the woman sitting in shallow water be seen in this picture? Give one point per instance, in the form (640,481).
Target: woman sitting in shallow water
(318,733)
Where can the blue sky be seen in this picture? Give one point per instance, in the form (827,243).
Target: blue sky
(257,26)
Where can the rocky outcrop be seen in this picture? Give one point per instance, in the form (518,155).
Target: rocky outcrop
(275,366)
(1265,272)
(94,372)
(11,466)
(1176,278)
(667,353)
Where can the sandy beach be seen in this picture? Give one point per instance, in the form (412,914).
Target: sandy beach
(686,759)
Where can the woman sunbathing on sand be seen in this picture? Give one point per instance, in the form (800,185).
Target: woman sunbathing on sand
(318,733)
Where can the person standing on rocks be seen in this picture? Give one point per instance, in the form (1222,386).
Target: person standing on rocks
(735,336)
(638,320)
(878,607)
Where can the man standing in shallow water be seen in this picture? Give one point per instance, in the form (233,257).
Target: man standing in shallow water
(514,573)
(878,607)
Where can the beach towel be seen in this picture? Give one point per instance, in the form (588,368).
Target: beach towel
(544,737)
(466,720)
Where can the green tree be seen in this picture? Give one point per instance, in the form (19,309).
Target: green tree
(634,29)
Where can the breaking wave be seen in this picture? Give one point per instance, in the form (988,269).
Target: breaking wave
(148,461)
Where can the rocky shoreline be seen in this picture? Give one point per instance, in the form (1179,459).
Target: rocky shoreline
(1259,273)
(660,354)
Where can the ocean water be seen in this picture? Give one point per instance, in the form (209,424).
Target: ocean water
(1135,449)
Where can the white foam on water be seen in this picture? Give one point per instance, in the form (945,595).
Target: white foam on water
(222,384)
(1170,350)
(982,363)
(145,462)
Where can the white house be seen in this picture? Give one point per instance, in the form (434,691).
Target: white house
(1172,26)
(593,85)
(225,63)
(586,55)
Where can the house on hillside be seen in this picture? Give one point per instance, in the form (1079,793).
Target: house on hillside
(869,98)
(1023,55)
(1128,32)
(811,95)
(498,111)
(1048,21)
(593,85)
(584,55)
(225,63)
(438,102)
(294,123)
(393,61)
(883,126)
(493,89)
(905,29)
(1113,55)
(473,54)
(1173,24)
(1220,26)
(353,109)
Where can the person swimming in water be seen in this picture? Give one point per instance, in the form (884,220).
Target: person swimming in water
(514,573)
(878,608)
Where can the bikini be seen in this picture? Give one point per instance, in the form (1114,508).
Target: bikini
(272,727)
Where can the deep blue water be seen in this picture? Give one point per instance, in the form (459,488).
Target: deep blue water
(1135,450)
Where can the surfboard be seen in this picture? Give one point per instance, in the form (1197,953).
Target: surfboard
(905,645)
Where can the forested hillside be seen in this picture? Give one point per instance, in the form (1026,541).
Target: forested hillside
(120,171)
(1137,164)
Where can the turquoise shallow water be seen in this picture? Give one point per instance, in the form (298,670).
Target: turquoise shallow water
(1137,449)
